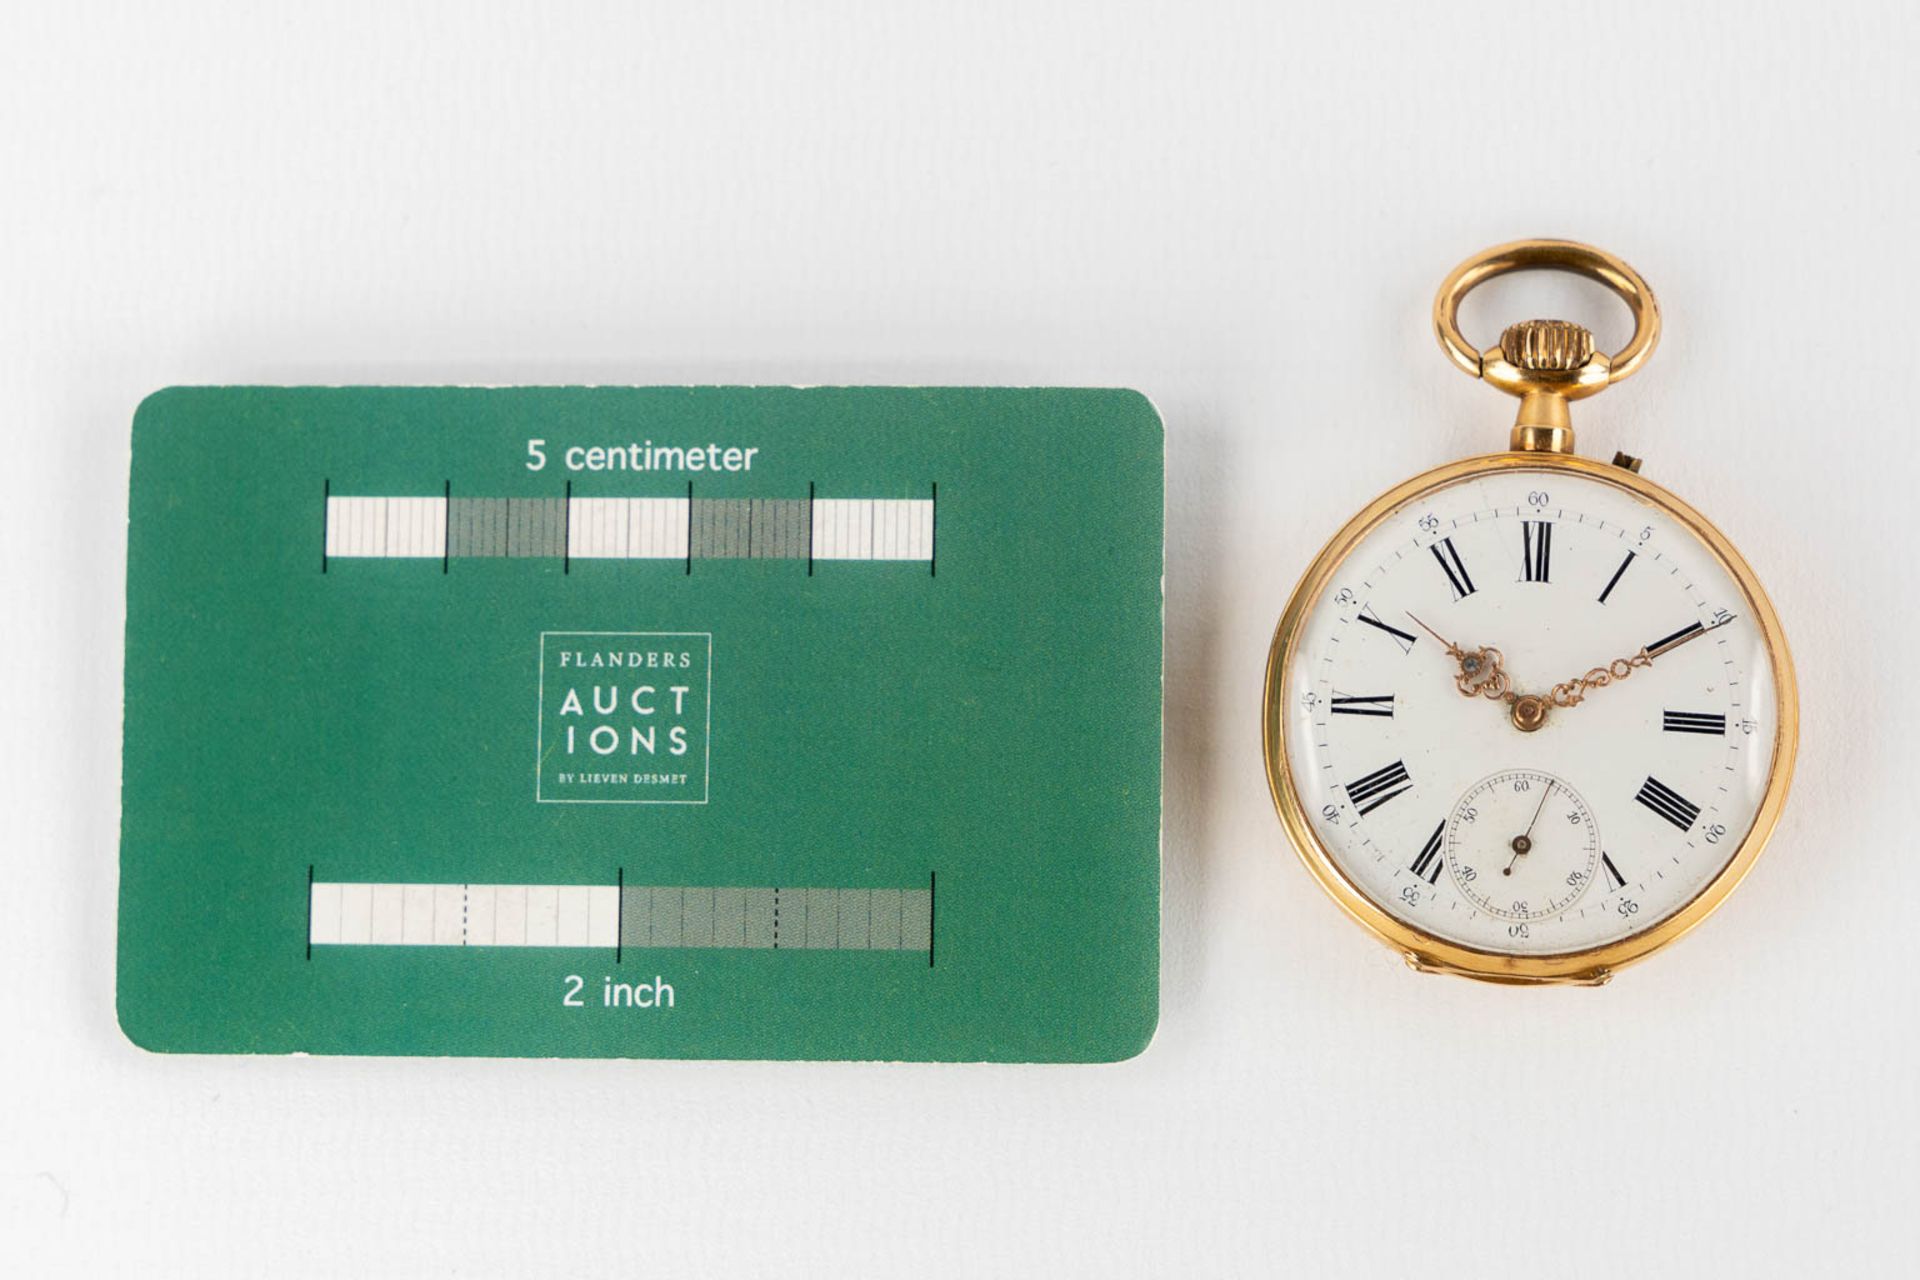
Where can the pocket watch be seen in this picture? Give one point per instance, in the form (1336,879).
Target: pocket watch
(1529,717)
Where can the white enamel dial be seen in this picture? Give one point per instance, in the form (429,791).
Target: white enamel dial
(1607,818)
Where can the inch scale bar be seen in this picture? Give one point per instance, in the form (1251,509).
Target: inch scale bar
(620,916)
(446,527)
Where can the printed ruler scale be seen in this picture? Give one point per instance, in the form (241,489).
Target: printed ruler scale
(448,527)
(620,916)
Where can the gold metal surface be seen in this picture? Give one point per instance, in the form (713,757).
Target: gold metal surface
(1546,346)
(1547,362)
(1535,429)
(1529,712)
(1425,951)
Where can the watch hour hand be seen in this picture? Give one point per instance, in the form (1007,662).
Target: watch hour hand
(1482,671)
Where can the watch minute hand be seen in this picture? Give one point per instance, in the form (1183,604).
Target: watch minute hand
(1573,692)
(1682,636)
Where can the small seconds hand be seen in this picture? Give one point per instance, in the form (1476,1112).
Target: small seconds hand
(1523,843)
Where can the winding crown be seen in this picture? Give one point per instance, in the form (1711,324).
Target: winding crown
(1547,346)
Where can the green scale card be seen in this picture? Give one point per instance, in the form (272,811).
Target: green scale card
(643,722)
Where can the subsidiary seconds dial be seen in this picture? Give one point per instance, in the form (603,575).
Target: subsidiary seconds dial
(1522,845)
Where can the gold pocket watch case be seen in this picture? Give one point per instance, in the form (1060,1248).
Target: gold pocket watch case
(1529,717)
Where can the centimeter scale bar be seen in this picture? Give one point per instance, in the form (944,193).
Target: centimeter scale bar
(451,527)
(619,916)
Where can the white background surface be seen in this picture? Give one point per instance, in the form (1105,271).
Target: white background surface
(1243,211)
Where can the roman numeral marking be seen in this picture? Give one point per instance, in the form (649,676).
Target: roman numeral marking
(1614,581)
(1451,565)
(1694,722)
(1668,803)
(1378,704)
(1403,639)
(1378,787)
(1427,865)
(1536,549)
(1679,637)
(1612,873)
